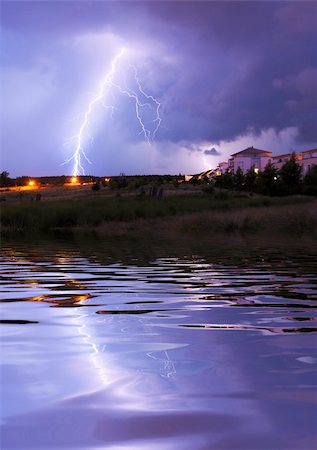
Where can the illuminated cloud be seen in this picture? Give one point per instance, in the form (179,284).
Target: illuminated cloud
(270,139)
(227,74)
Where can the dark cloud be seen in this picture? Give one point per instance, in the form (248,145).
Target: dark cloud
(220,69)
(212,152)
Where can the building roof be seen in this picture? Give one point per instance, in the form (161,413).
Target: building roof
(251,151)
(205,174)
(298,156)
(309,151)
(284,155)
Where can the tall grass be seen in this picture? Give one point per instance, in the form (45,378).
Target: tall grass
(296,219)
(222,213)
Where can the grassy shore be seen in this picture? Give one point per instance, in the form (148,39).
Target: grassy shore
(180,214)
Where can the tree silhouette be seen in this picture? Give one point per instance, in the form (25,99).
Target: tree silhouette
(291,174)
(310,182)
(5,180)
(239,179)
(269,181)
(251,179)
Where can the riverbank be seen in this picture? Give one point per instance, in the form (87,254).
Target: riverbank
(136,216)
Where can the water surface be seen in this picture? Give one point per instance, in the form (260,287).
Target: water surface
(175,352)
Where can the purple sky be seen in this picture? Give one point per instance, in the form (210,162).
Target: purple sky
(228,75)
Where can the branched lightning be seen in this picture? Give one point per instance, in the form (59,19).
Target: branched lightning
(157,120)
(106,87)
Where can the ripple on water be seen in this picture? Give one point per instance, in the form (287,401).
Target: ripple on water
(177,353)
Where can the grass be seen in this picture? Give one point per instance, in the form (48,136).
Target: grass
(189,214)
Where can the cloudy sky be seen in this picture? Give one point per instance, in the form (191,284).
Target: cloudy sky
(227,74)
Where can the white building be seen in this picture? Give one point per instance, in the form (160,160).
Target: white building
(309,159)
(250,157)
(306,159)
(260,158)
(279,160)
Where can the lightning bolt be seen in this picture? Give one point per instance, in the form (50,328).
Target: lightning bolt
(108,85)
(157,119)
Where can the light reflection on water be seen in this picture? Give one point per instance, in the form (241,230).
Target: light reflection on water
(175,353)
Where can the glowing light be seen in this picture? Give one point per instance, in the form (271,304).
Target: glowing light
(38,298)
(107,86)
(74,180)
(31,183)
(107,180)
(256,170)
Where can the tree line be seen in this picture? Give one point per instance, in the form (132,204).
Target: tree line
(288,180)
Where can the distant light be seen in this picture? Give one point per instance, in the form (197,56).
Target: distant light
(256,170)
(74,180)
(275,178)
(107,180)
(31,183)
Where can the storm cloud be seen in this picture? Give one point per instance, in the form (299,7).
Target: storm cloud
(212,152)
(226,73)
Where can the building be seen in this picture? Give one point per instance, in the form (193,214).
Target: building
(260,158)
(207,175)
(221,169)
(308,159)
(279,160)
(250,157)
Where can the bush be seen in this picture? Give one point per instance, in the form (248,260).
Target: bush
(226,180)
(96,187)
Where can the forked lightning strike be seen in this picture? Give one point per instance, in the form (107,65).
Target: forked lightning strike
(157,119)
(104,89)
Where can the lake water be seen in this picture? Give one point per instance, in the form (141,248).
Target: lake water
(180,351)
